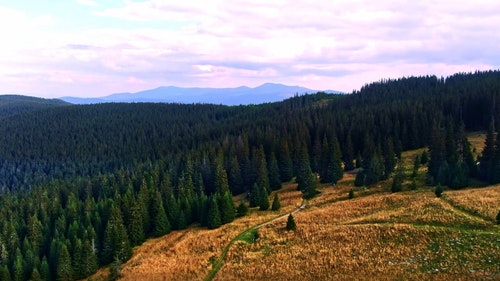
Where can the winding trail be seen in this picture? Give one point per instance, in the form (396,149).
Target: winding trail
(220,261)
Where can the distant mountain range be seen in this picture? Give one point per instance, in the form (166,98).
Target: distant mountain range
(268,92)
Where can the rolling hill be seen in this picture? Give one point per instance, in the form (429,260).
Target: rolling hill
(82,186)
(17,104)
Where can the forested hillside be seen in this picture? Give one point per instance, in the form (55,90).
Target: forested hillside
(15,104)
(83,184)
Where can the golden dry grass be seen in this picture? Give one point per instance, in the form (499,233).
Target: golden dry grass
(482,201)
(378,235)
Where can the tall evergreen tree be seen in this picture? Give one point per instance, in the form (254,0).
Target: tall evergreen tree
(264,199)
(116,242)
(161,225)
(213,217)
(274,173)
(64,269)
(290,223)
(276,203)
(285,162)
(226,207)
(487,159)
(242,209)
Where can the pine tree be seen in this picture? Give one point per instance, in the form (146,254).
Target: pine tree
(213,217)
(242,209)
(226,206)
(89,259)
(161,225)
(397,181)
(44,269)
(487,159)
(254,196)
(285,162)
(498,217)
(290,223)
(337,170)
(64,270)
(4,272)
(360,178)
(18,266)
(116,243)
(264,199)
(274,173)
(276,203)
(136,225)
(221,181)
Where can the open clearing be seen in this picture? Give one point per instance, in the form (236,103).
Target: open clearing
(378,235)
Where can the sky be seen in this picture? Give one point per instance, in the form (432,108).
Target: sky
(91,48)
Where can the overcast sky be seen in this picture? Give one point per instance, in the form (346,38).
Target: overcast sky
(89,48)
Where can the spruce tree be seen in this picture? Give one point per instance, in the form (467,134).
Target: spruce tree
(161,225)
(290,223)
(4,272)
(213,217)
(254,196)
(227,210)
(274,173)
(242,209)
(498,217)
(397,181)
(276,203)
(264,199)
(64,269)
(136,225)
(360,178)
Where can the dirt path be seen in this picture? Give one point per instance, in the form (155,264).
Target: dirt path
(218,264)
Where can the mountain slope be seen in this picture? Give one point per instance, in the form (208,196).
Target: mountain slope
(265,93)
(16,104)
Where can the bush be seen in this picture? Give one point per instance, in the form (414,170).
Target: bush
(351,193)
(439,190)
(498,217)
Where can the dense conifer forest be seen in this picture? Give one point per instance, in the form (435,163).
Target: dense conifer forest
(82,184)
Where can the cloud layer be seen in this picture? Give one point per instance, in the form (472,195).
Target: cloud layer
(337,45)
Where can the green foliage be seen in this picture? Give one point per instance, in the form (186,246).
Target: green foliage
(439,190)
(264,199)
(213,218)
(242,209)
(64,269)
(94,189)
(290,223)
(226,206)
(276,203)
(360,178)
(115,270)
(397,181)
(498,217)
(351,193)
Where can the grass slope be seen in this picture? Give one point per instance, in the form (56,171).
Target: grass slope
(378,235)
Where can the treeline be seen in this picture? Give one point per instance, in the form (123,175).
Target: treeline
(66,230)
(81,185)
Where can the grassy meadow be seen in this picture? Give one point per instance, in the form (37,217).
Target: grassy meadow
(377,235)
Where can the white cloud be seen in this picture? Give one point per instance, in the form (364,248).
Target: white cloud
(87,2)
(319,44)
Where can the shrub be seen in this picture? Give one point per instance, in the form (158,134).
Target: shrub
(439,190)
